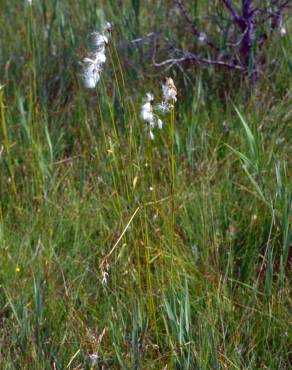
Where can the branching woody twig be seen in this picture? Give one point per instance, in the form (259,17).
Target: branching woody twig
(187,57)
(240,55)
(276,14)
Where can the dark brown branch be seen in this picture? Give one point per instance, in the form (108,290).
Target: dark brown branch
(229,5)
(248,29)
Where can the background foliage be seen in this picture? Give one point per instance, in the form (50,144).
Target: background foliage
(200,277)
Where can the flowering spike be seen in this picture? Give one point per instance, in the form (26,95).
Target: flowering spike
(93,64)
(159,123)
(169,91)
(147,113)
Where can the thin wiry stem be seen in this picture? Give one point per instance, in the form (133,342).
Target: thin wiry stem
(172,187)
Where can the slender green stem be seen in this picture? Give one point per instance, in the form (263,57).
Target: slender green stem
(172,188)
(6,141)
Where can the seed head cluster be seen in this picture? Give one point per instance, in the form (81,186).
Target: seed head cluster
(147,114)
(92,68)
(169,91)
(92,65)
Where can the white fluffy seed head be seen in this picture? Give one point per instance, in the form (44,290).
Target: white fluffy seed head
(202,37)
(91,76)
(93,358)
(283,31)
(151,135)
(147,113)
(99,40)
(159,123)
(107,28)
(169,90)
(93,64)
(163,107)
(105,276)
(149,97)
(100,57)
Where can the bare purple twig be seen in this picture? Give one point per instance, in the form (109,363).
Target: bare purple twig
(229,5)
(241,46)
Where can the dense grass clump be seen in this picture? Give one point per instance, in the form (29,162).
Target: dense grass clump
(122,252)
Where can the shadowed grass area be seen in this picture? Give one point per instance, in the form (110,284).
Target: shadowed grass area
(170,253)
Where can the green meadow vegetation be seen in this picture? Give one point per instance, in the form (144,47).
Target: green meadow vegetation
(122,252)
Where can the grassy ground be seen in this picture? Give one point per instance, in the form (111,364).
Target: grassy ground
(191,230)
